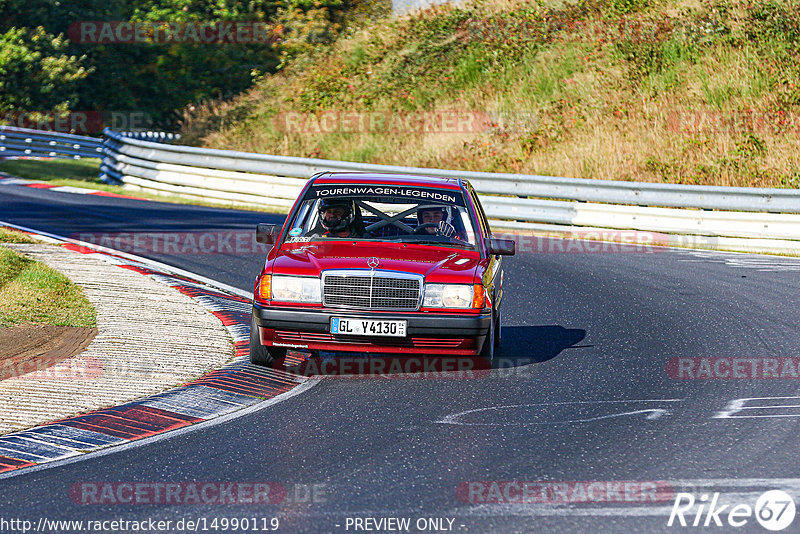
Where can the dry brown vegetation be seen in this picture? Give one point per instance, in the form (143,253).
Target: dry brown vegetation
(646,90)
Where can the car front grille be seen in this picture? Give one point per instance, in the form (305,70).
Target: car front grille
(372,290)
(416,342)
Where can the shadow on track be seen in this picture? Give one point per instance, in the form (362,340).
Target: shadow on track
(524,345)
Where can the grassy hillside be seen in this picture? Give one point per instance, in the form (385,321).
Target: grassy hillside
(684,91)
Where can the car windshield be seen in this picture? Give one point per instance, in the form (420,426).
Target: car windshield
(383,213)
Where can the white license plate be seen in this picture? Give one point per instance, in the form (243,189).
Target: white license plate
(354,326)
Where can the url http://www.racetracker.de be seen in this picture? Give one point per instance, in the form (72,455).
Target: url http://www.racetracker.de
(105,526)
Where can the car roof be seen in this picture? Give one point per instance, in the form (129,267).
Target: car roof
(388,179)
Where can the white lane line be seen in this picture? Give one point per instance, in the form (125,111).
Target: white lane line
(762,263)
(491,510)
(156,265)
(653,413)
(791,485)
(739,405)
(113,449)
(72,189)
(15,181)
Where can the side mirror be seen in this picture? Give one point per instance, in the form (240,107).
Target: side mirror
(267,233)
(503,247)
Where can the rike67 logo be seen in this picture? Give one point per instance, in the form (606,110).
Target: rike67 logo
(774,510)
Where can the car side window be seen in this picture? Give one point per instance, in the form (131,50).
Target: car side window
(482,221)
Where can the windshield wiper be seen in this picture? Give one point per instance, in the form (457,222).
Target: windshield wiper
(441,243)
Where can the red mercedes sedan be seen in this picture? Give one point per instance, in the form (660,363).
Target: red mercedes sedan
(380,264)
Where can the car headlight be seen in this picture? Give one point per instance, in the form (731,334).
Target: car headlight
(450,296)
(296,289)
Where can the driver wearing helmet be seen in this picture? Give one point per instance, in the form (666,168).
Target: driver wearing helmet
(434,219)
(337,217)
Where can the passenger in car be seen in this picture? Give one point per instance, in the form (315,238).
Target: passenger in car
(435,220)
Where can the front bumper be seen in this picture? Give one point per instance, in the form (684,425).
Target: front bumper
(426,333)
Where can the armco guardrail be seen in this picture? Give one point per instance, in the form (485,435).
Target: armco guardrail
(156,137)
(510,200)
(585,190)
(24,142)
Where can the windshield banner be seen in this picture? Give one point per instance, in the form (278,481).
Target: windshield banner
(386,193)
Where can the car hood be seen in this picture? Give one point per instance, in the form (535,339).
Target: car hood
(435,263)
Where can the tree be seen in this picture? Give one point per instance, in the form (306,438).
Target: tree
(43,69)
(37,74)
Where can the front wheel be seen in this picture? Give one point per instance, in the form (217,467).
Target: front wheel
(259,354)
(498,330)
(487,351)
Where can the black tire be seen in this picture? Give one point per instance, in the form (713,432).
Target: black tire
(259,354)
(498,330)
(487,351)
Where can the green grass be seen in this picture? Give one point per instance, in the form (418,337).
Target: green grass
(7,235)
(83,170)
(32,293)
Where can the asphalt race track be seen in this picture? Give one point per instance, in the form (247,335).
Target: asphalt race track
(609,397)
